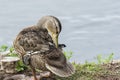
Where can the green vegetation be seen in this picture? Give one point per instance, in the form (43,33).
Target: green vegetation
(68,54)
(3,48)
(19,65)
(92,70)
(102,70)
(12,53)
(102,60)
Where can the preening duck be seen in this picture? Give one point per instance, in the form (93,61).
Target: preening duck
(40,41)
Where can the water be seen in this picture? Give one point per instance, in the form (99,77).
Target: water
(90,27)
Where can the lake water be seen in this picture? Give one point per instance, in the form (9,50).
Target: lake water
(89,27)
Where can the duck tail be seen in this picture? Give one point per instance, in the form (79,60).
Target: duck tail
(66,71)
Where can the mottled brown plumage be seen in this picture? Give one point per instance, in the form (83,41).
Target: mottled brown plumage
(32,39)
(41,41)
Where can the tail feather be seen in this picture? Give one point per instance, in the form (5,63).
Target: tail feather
(66,71)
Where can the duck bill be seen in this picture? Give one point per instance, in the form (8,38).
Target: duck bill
(55,40)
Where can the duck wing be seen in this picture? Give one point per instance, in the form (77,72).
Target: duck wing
(32,39)
(56,62)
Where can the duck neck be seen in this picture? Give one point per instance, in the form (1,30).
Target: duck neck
(41,23)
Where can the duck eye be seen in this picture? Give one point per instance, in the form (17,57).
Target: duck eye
(56,32)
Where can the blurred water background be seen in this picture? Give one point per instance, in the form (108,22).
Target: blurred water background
(90,27)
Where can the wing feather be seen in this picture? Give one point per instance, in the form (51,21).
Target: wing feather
(34,39)
(56,62)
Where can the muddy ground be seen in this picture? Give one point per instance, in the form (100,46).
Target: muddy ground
(110,71)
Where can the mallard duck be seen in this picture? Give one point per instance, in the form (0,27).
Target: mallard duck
(41,42)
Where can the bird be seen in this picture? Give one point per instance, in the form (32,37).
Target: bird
(38,47)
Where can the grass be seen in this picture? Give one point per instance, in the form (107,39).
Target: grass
(85,71)
(19,66)
(102,70)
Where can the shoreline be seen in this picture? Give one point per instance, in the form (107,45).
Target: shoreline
(109,71)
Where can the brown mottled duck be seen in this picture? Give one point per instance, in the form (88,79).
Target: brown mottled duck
(38,47)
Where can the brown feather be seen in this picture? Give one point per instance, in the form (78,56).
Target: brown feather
(32,39)
(35,39)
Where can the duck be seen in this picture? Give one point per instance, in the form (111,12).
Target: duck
(38,47)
